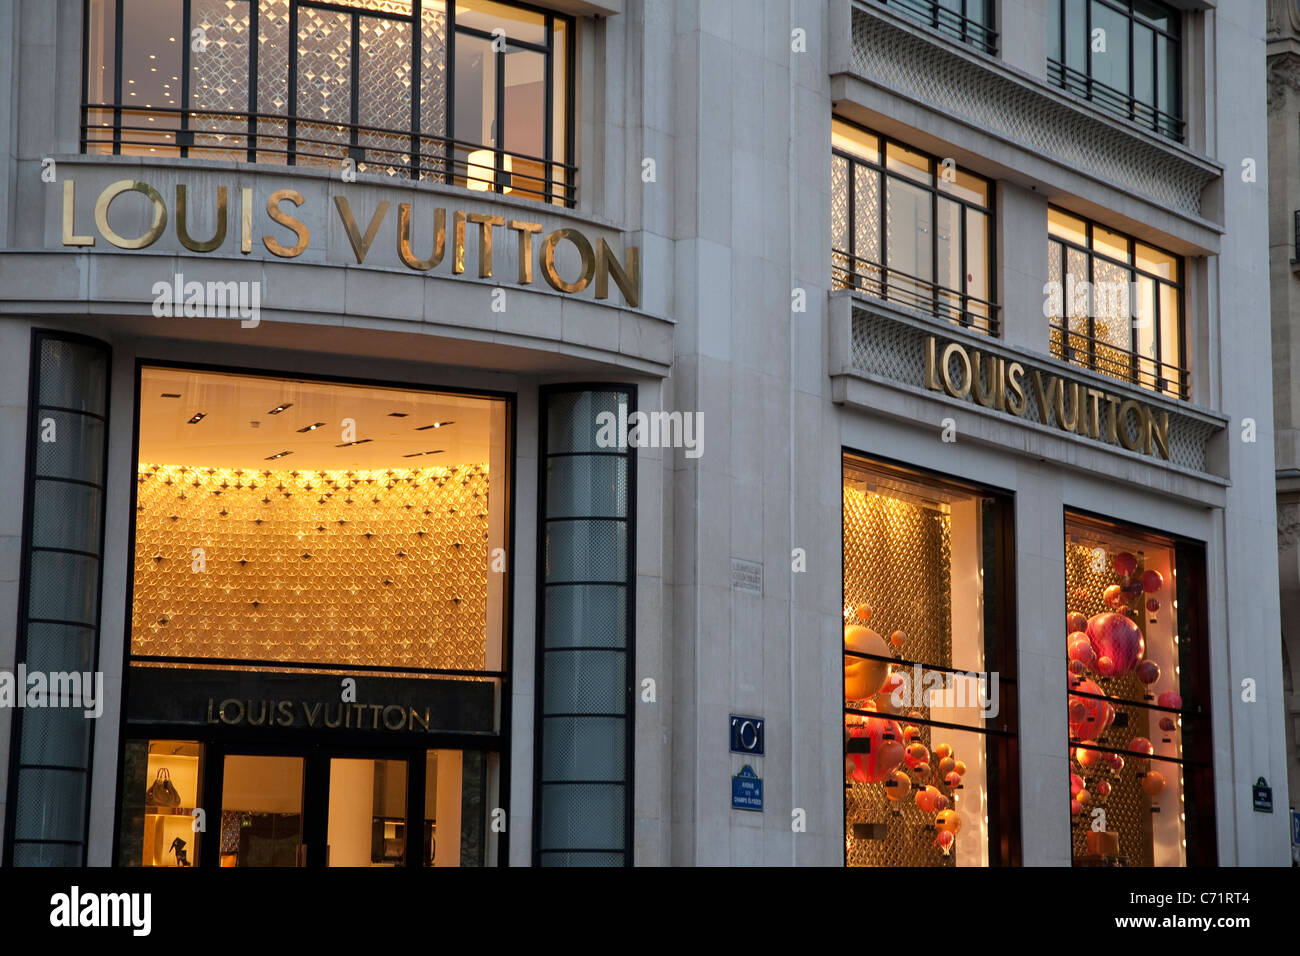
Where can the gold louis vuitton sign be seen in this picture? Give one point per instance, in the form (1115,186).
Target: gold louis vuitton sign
(1005,386)
(597,262)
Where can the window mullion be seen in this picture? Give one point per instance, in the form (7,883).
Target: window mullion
(417,84)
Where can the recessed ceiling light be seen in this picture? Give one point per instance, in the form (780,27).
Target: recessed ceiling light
(198,417)
(425,428)
(279,408)
(436,451)
(359,441)
(170,395)
(311,428)
(397,414)
(280,455)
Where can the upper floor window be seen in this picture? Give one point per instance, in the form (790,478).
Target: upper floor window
(910,228)
(1123,55)
(1115,304)
(424,89)
(969,21)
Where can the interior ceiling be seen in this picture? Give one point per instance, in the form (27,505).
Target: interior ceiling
(237,430)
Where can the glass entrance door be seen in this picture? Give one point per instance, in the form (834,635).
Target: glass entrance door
(262,811)
(367,813)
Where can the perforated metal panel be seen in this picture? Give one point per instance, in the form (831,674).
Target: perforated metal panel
(915,66)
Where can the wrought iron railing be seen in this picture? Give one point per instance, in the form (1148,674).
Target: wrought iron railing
(1115,101)
(280,139)
(964,29)
(871,278)
(1107,358)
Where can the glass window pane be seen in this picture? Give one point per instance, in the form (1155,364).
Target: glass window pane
(273,49)
(559,91)
(152,48)
(64,587)
(1144,65)
(51,805)
(1067,227)
(66,515)
(584,748)
(1156,262)
(585,485)
(73,375)
(261,810)
(866,220)
(586,551)
(525,120)
(909,236)
(219,77)
(1076,35)
(590,816)
(324,84)
(60,647)
(1144,329)
(977,254)
(853,140)
(584,682)
(1109,52)
(380,534)
(367,813)
(948,272)
(384,93)
(1157,14)
(56,735)
(913,165)
(519,24)
(586,615)
(574,420)
(101,51)
(76,448)
(1054,30)
(1171,327)
(962,184)
(1168,94)
(458,788)
(1111,244)
(433,72)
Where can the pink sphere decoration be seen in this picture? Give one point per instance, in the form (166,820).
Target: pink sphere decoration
(1125,563)
(1153,604)
(1076,783)
(1076,808)
(1168,725)
(952,780)
(1080,649)
(886,750)
(1102,789)
(1118,638)
(1141,746)
(1088,719)
(943,839)
(1074,621)
(1152,581)
(1113,595)
(1115,762)
(1105,666)
(1148,672)
(1171,699)
(1077,668)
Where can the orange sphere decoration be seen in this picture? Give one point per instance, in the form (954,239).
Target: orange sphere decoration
(863,677)
(1113,595)
(943,750)
(947,765)
(897,638)
(929,799)
(898,786)
(1153,784)
(911,732)
(863,612)
(1086,756)
(953,780)
(960,768)
(948,820)
(921,770)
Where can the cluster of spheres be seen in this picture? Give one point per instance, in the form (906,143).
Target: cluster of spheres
(895,756)
(1109,644)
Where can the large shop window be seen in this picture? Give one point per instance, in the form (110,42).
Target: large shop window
(968,21)
(411,88)
(292,535)
(1116,305)
(1141,786)
(911,229)
(929,688)
(1123,55)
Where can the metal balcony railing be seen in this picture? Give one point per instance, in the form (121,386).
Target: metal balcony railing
(964,29)
(873,279)
(1115,101)
(1117,362)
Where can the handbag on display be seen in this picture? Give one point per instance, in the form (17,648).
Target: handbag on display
(162,793)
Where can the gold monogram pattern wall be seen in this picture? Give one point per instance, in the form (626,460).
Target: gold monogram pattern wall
(334,567)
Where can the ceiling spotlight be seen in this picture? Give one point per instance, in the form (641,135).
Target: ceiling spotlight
(280,455)
(436,451)
(397,414)
(359,441)
(279,408)
(311,428)
(198,417)
(170,395)
(425,428)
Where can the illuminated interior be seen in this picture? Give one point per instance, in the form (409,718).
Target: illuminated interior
(917,774)
(1125,674)
(282,520)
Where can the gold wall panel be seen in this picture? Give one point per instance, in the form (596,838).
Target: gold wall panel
(383,567)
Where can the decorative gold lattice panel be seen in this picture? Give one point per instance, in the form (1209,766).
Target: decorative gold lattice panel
(363,567)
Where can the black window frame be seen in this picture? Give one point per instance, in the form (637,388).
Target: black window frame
(1163,119)
(1085,354)
(429,157)
(852,271)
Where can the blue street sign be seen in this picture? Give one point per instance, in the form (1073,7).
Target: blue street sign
(747,790)
(1295,827)
(747,735)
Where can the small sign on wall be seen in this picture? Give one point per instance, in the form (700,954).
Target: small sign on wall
(747,790)
(1263,796)
(746,576)
(747,735)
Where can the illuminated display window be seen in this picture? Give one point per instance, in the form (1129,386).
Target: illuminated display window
(1115,305)
(1122,55)
(929,689)
(410,88)
(911,229)
(1140,787)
